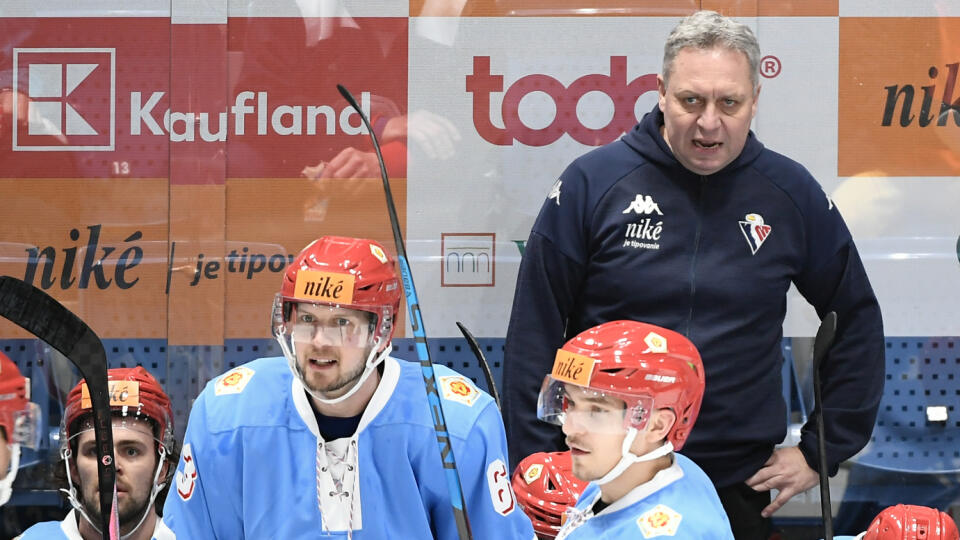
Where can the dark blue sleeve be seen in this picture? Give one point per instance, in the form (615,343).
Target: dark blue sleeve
(550,278)
(853,371)
(546,291)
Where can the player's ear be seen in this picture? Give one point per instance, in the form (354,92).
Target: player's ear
(661,421)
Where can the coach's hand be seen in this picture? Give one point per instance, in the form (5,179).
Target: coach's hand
(786,471)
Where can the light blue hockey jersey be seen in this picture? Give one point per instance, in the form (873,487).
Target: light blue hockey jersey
(680,501)
(254,466)
(68,530)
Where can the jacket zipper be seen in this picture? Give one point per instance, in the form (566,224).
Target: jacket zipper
(696,249)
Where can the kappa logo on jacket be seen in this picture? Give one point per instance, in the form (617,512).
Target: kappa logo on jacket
(555,191)
(644,205)
(643,234)
(755,231)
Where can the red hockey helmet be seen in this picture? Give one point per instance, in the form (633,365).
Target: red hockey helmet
(134,393)
(351,273)
(545,487)
(19,418)
(646,366)
(908,522)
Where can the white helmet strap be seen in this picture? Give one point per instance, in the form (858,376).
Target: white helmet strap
(628,458)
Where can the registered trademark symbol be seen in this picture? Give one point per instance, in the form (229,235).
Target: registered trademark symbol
(770,66)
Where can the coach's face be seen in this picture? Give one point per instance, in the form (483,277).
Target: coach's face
(708,102)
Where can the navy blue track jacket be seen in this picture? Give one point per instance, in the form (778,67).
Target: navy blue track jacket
(629,233)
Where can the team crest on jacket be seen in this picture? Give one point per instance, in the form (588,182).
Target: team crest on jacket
(755,231)
(660,521)
(233,381)
(458,388)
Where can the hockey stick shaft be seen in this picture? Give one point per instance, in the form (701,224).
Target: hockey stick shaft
(41,315)
(487,374)
(420,338)
(821,345)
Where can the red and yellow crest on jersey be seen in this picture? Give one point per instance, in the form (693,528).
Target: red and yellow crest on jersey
(458,388)
(659,521)
(233,381)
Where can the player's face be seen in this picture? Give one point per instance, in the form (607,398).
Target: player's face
(332,345)
(136,459)
(594,427)
(707,106)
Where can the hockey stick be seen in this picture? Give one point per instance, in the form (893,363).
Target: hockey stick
(487,374)
(38,313)
(420,337)
(821,345)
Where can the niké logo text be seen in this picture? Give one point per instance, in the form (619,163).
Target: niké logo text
(929,111)
(95,263)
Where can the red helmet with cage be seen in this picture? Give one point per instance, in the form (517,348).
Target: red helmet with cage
(545,487)
(908,522)
(646,366)
(351,273)
(134,393)
(14,400)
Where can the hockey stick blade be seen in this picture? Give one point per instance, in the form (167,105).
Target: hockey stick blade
(822,344)
(41,315)
(487,374)
(420,338)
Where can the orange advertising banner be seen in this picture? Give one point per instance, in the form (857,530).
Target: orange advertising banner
(899,100)
(624,8)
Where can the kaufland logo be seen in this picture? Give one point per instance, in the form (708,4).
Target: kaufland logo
(66,89)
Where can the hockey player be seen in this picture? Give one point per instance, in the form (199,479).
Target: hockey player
(627,395)
(545,487)
(336,439)
(18,423)
(143,443)
(908,522)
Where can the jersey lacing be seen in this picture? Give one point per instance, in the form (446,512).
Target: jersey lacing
(338,490)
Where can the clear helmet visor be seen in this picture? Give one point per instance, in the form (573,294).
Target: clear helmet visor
(592,410)
(320,325)
(26,426)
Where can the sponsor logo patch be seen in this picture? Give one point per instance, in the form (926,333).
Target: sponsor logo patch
(234,381)
(572,367)
(660,521)
(458,388)
(122,393)
(755,231)
(327,287)
(644,205)
(498,481)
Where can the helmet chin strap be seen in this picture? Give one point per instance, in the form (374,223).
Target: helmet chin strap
(373,360)
(6,485)
(628,458)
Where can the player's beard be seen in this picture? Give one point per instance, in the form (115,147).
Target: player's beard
(130,511)
(344,382)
